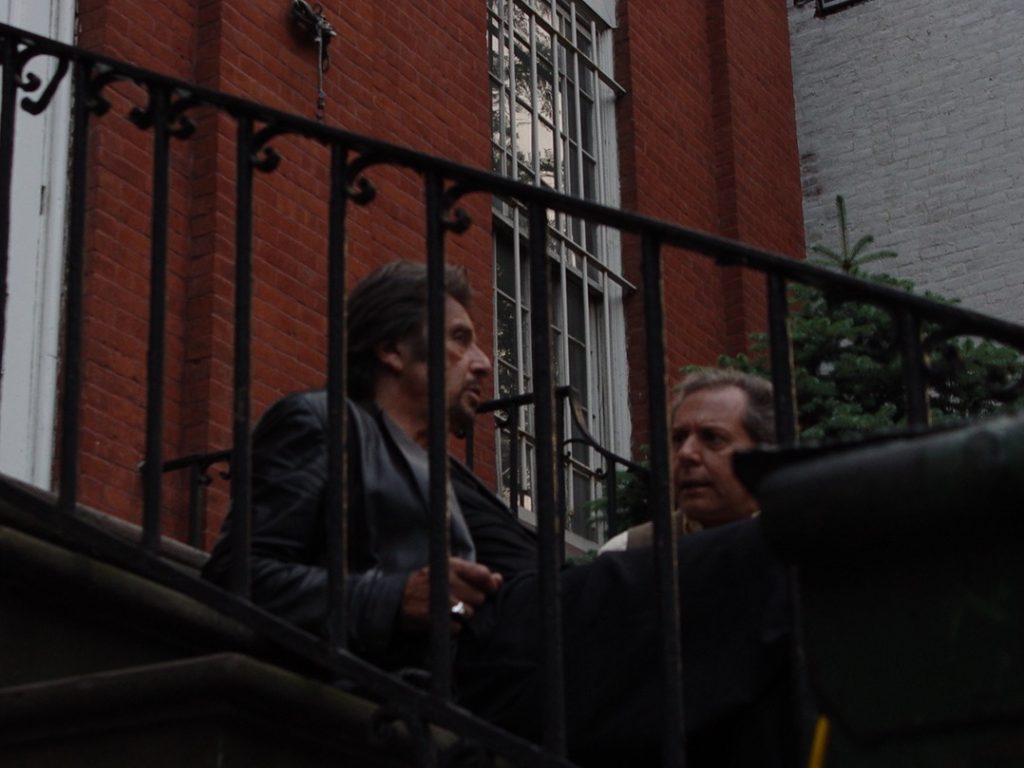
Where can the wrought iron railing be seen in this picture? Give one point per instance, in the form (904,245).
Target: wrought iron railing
(198,466)
(352,157)
(508,418)
(507,415)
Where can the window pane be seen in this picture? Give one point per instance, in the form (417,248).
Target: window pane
(508,381)
(524,138)
(546,160)
(574,309)
(504,264)
(527,337)
(506,321)
(587,117)
(581,519)
(545,89)
(524,82)
(505,457)
(578,371)
(554,123)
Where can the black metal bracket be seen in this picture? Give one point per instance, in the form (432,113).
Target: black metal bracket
(310,21)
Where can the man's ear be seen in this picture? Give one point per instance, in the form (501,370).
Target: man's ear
(390,356)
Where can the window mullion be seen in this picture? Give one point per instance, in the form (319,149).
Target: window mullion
(600,172)
(579,124)
(534,107)
(510,26)
(609,401)
(515,442)
(563,352)
(556,118)
(517,273)
(588,341)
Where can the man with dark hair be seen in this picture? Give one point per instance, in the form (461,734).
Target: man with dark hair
(390,304)
(388,596)
(735,660)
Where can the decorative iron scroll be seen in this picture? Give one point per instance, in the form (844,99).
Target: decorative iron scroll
(31,82)
(179,124)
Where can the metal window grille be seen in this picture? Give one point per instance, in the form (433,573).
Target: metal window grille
(552,100)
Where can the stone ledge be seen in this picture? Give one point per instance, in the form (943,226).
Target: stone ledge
(222,709)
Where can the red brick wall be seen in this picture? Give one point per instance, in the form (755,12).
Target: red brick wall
(403,72)
(757,159)
(706,139)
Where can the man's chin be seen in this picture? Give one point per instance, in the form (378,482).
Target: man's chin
(460,420)
(704,513)
(710,517)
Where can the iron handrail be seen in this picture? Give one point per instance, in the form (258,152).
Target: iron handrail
(198,464)
(568,401)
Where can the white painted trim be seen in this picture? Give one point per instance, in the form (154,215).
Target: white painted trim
(39,199)
(604,10)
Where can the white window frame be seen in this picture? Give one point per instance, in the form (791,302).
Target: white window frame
(36,258)
(594,266)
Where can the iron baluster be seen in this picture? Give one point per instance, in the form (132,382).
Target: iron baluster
(514,459)
(564,457)
(337,501)
(914,372)
(437,419)
(161,113)
(197,480)
(781,351)
(152,475)
(783,392)
(545,487)
(85,100)
(241,456)
(198,466)
(248,158)
(666,555)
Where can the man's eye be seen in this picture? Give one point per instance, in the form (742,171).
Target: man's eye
(714,440)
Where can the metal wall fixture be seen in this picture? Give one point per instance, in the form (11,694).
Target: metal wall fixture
(310,21)
(825,7)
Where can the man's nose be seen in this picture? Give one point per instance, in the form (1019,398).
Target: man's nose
(481,363)
(688,451)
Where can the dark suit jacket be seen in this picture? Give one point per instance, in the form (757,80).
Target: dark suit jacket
(388,526)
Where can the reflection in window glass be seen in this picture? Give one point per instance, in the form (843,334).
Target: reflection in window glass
(552,106)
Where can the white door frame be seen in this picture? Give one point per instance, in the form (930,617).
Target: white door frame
(36,256)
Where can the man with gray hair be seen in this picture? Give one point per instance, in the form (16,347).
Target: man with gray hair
(716,413)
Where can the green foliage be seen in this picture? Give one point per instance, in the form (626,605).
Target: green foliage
(849,378)
(631,503)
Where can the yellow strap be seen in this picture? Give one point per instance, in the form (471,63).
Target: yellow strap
(820,744)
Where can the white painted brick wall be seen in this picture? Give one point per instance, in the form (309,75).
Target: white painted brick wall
(914,111)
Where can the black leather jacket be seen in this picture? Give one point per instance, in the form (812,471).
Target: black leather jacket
(388,529)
